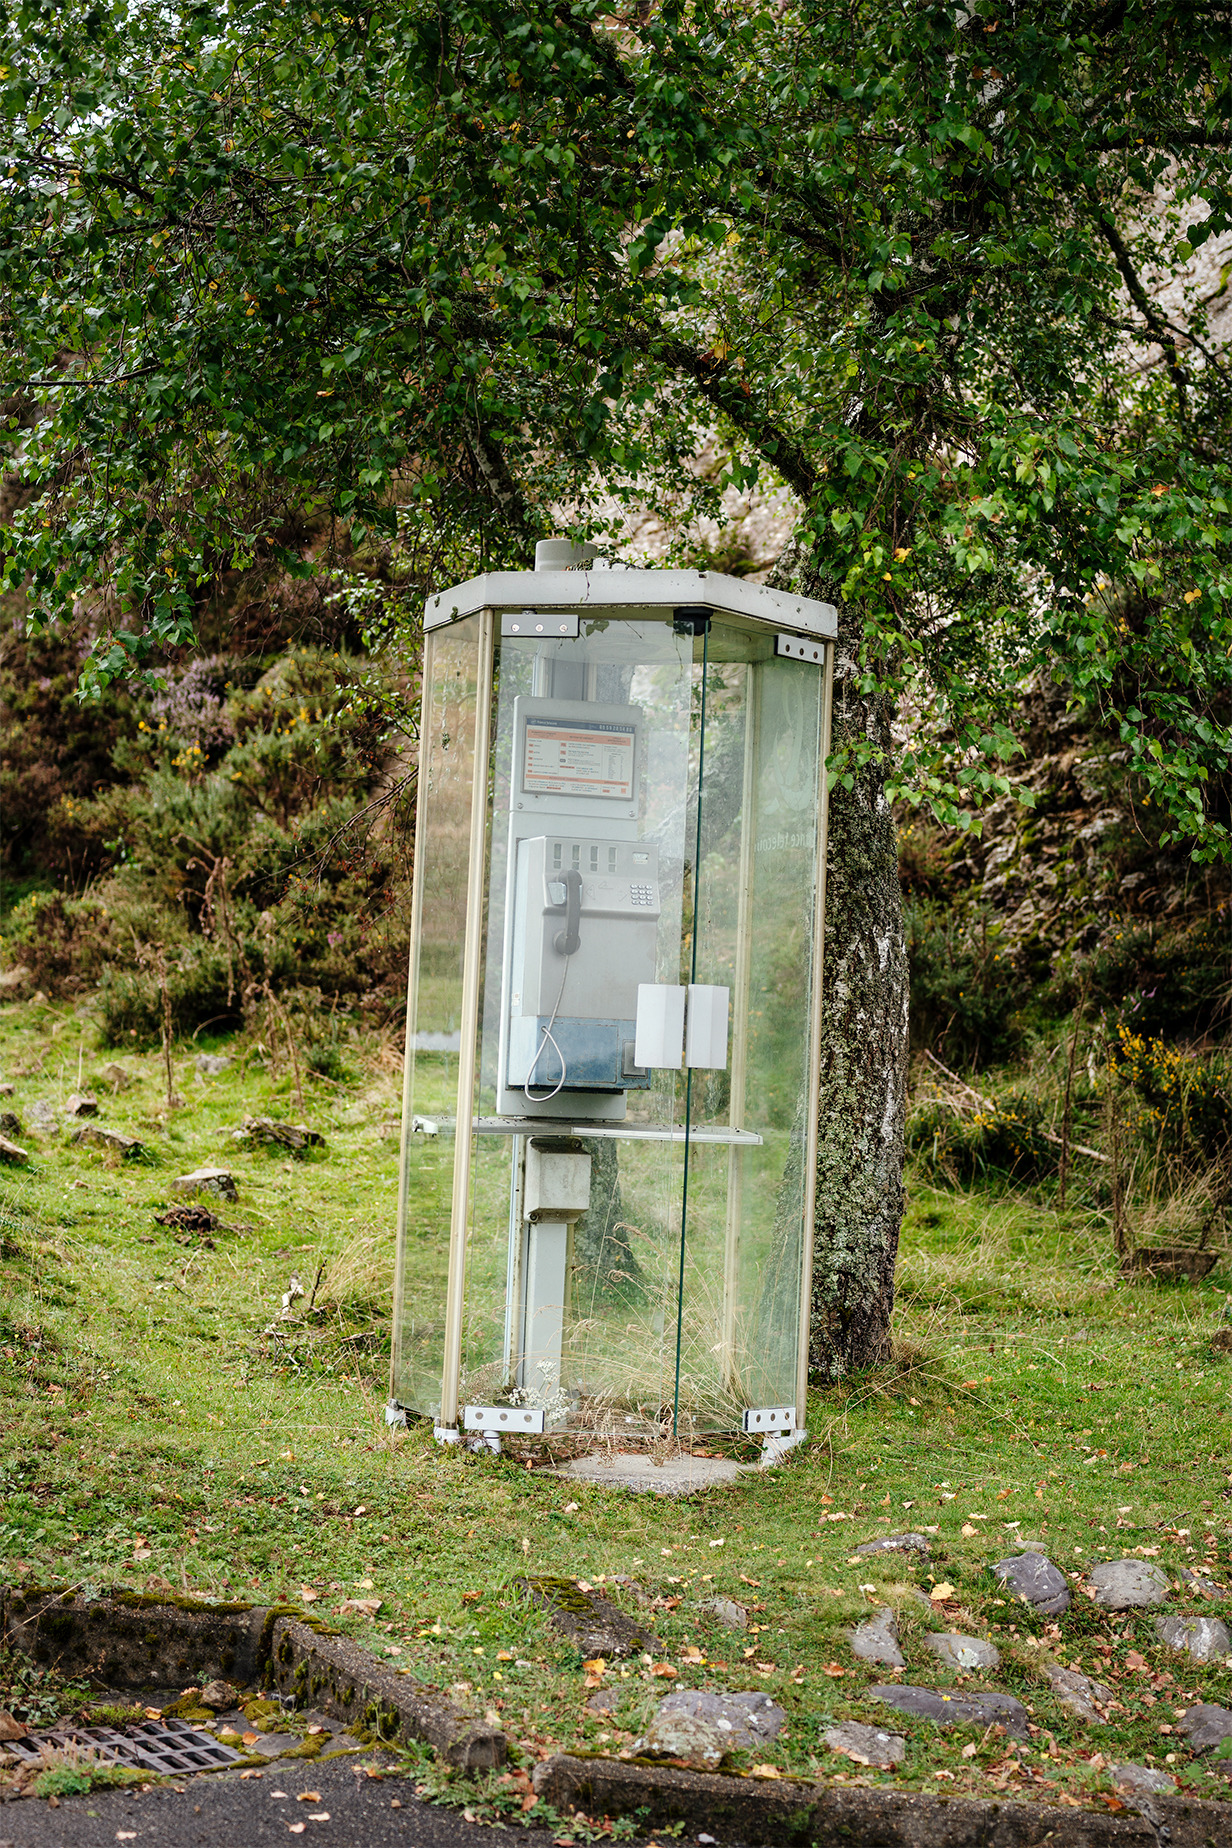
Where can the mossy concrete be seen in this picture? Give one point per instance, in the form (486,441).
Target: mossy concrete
(128,1640)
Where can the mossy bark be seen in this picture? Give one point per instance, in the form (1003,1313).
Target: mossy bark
(859,1180)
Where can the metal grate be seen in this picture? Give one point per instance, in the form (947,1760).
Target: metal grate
(151,1745)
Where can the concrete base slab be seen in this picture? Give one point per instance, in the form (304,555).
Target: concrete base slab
(678,1476)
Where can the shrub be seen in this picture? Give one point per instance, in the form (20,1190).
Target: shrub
(968,994)
(1006,1140)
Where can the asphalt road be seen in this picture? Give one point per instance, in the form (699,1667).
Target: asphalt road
(226,1812)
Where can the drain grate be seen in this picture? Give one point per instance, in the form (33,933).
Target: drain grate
(151,1745)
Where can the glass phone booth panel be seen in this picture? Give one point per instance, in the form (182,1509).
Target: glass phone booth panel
(641,904)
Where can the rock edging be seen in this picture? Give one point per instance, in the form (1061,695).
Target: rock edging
(133,1640)
(793,1813)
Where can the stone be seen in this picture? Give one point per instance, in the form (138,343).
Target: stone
(1127,1584)
(296,1137)
(211,1064)
(726,1611)
(743,1720)
(898,1543)
(1206,1639)
(963,1652)
(956,1709)
(868,1745)
(1205,1726)
(11,1151)
(80,1104)
(6,1089)
(592,1622)
(683,1475)
(605,1700)
(109,1139)
(1088,1699)
(683,1736)
(116,1077)
(218,1182)
(1034,1578)
(43,1119)
(273,1745)
(219,1695)
(10,1125)
(11,1728)
(1140,1780)
(1199,1582)
(876,1640)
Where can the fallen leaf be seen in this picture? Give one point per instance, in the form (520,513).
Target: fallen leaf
(940,1593)
(765,1771)
(664,1670)
(969,1532)
(948,1775)
(249,1738)
(15,1729)
(367,1607)
(318,1815)
(297,1828)
(970,1750)
(308,1595)
(308,1796)
(1134,1660)
(691,1654)
(833,1669)
(245,1775)
(1004,1494)
(469,1597)
(126,1835)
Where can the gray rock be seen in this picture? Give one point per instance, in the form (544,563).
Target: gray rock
(10,1125)
(218,1695)
(898,1543)
(80,1104)
(11,1152)
(43,1119)
(876,1640)
(1126,1584)
(1205,1725)
(116,1076)
(743,1720)
(210,1064)
(110,1139)
(1206,1639)
(1140,1779)
(964,1652)
(868,1745)
(1089,1699)
(592,1622)
(1200,1583)
(1035,1579)
(604,1700)
(957,1709)
(295,1137)
(216,1181)
(683,1736)
(726,1611)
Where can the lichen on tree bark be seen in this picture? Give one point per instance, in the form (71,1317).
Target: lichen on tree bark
(859,1180)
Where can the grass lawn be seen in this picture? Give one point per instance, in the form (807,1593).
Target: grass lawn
(155,1435)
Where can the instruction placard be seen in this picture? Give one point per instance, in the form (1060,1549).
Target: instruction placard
(576,758)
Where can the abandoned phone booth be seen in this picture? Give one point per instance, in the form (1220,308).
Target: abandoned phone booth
(614,1004)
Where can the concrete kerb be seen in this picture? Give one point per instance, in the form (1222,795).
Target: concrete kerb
(133,1640)
(790,1813)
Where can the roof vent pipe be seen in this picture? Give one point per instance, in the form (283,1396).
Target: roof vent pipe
(563,555)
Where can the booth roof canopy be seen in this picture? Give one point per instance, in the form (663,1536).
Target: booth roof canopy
(614,591)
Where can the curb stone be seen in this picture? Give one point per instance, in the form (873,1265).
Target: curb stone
(792,1813)
(133,1640)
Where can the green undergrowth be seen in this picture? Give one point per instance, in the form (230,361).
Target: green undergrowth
(165,1431)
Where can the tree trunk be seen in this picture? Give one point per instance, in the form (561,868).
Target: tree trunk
(859,1184)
